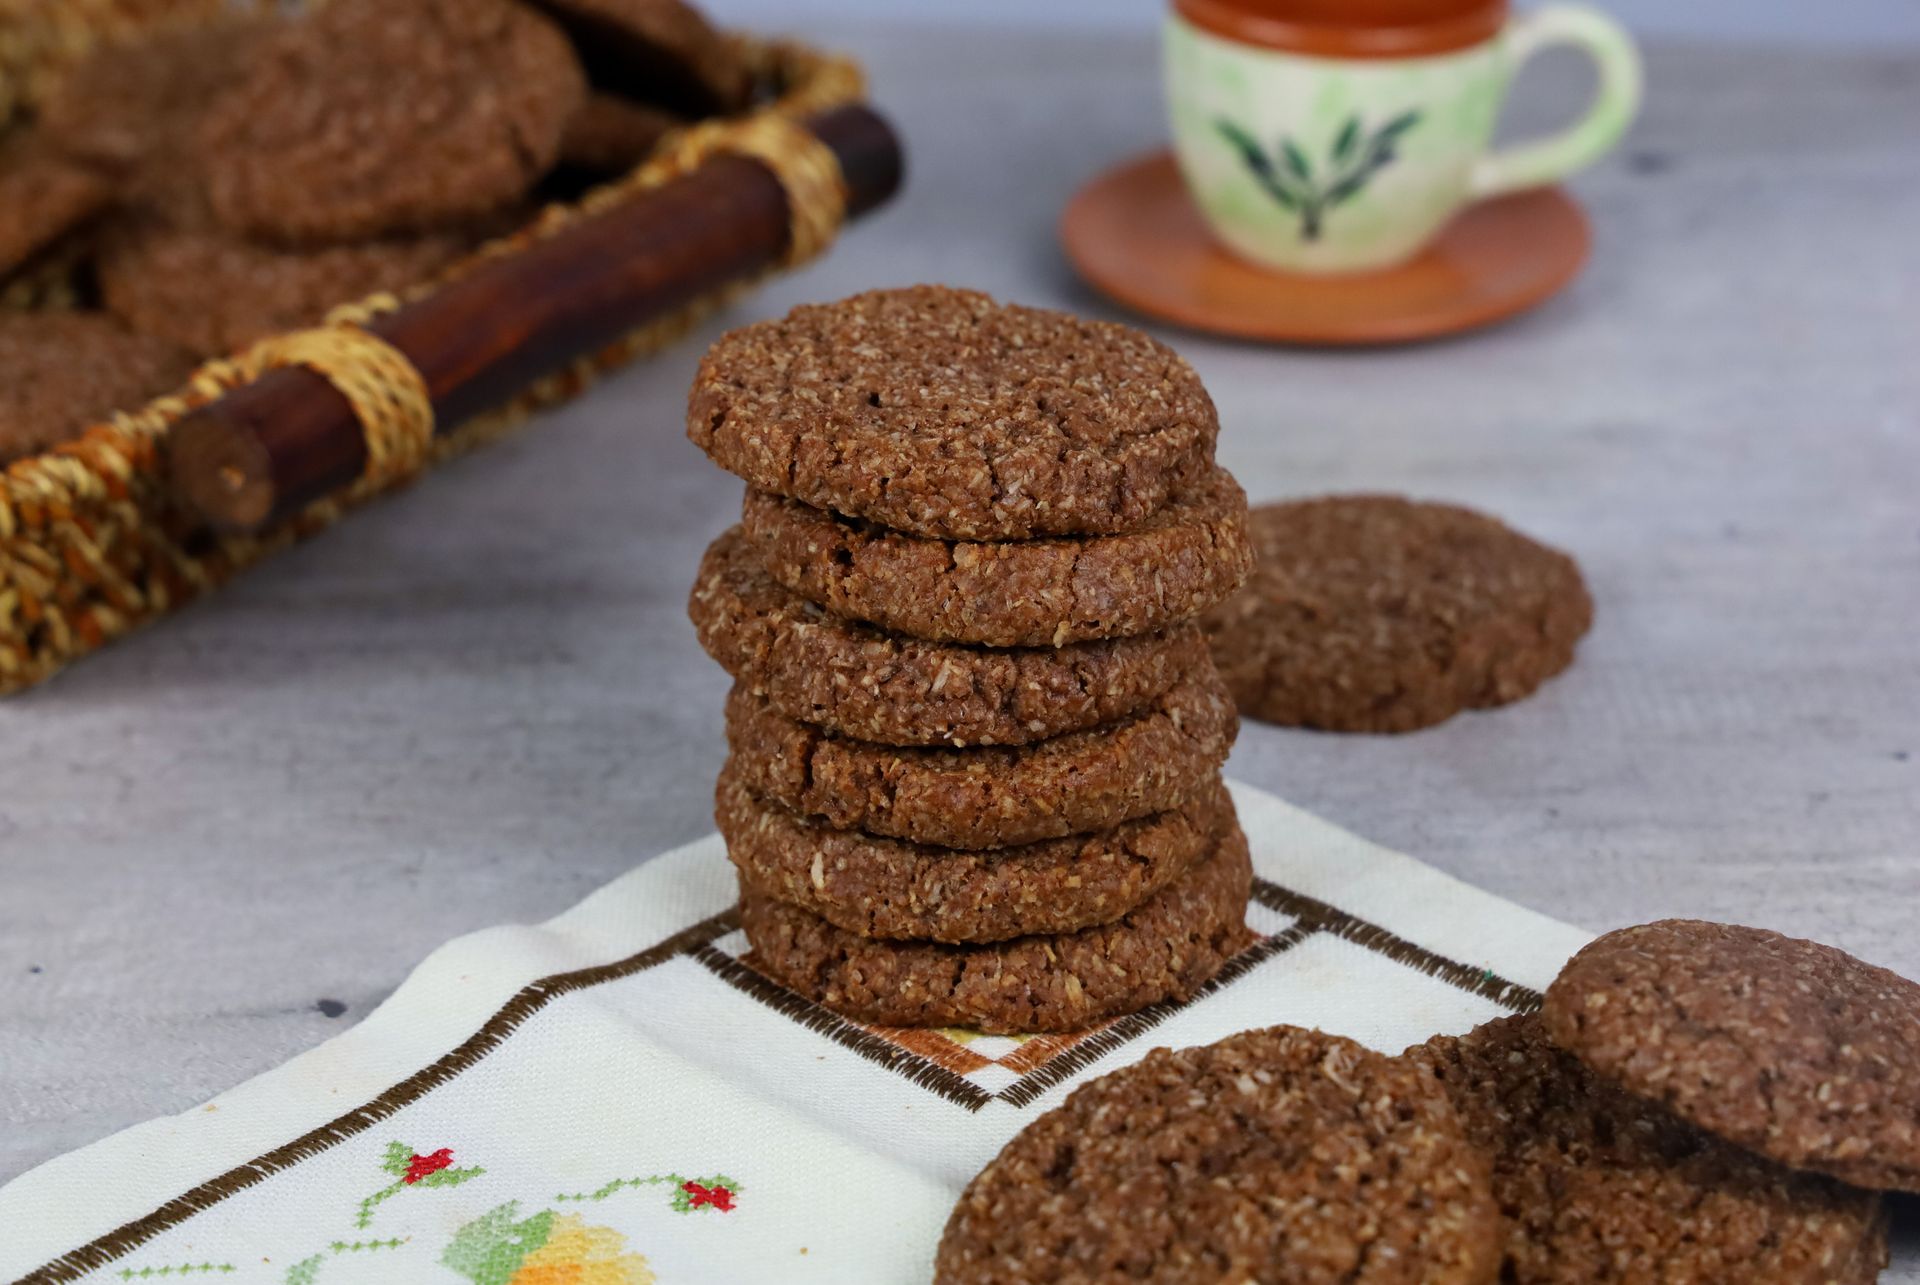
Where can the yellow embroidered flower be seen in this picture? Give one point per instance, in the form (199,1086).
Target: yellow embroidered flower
(577,1254)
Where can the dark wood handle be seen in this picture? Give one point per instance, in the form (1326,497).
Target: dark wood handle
(265,450)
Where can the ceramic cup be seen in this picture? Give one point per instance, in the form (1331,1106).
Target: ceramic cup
(1341,135)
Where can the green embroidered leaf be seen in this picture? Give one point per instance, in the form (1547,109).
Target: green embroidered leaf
(303,1272)
(449,1177)
(399,1156)
(1349,135)
(1297,160)
(490,1249)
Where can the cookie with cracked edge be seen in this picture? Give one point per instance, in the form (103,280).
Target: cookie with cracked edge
(992,796)
(875,686)
(1025,593)
(1789,1048)
(663,50)
(887,888)
(368,118)
(941,413)
(1166,948)
(63,372)
(1600,1185)
(1372,613)
(1274,1155)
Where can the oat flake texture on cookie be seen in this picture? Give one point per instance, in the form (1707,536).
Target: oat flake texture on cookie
(941,413)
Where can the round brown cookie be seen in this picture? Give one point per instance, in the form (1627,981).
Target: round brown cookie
(63,372)
(993,796)
(370,118)
(216,293)
(611,135)
(1028,593)
(1793,1049)
(887,888)
(1370,613)
(875,686)
(662,50)
(1166,948)
(941,413)
(43,198)
(1598,1185)
(1274,1155)
(136,106)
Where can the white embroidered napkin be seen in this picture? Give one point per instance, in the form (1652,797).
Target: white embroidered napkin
(613,1098)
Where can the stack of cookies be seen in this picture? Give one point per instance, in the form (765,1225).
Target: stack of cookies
(976,734)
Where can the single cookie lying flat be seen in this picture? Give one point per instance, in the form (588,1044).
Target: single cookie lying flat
(370,118)
(1599,1185)
(941,413)
(1792,1049)
(886,888)
(217,293)
(62,372)
(662,50)
(875,686)
(991,797)
(1370,613)
(1029,593)
(1165,949)
(1274,1155)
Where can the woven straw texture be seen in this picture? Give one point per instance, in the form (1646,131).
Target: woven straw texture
(91,544)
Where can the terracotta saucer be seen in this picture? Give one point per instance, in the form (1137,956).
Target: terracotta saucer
(1136,237)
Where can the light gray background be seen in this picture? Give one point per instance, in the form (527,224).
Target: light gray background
(224,840)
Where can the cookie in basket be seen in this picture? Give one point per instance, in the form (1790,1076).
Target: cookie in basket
(370,118)
(611,135)
(992,796)
(44,199)
(216,293)
(62,372)
(1372,613)
(886,888)
(1274,1155)
(1793,1049)
(662,51)
(1045,592)
(941,413)
(1601,1185)
(875,686)
(1166,948)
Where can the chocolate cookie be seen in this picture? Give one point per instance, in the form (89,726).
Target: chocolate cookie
(216,293)
(1372,613)
(877,887)
(992,797)
(876,686)
(661,50)
(61,373)
(1029,593)
(43,198)
(370,118)
(1599,1185)
(611,135)
(1792,1049)
(941,413)
(1166,948)
(1275,1155)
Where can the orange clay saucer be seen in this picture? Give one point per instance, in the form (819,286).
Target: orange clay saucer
(1137,238)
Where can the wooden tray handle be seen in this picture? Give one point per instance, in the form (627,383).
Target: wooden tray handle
(268,448)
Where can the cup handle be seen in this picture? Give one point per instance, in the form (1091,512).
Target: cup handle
(1587,140)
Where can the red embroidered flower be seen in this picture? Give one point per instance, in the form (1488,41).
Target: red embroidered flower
(719,1197)
(420,1166)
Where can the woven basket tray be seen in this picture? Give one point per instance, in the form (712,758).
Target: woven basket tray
(92,544)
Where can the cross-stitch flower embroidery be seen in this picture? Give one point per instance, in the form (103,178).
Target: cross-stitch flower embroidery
(501,1248)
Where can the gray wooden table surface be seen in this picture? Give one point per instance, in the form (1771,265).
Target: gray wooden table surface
(223,841)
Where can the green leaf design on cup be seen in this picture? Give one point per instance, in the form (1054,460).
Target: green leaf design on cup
(1289,176)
